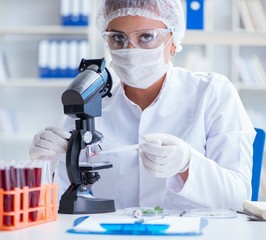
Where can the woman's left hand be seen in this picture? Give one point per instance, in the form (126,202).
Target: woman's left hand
(164,155)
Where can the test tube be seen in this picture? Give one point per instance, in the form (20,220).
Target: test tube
(33,173)
(20,183)
(8,203)
(37,166)
(30,182)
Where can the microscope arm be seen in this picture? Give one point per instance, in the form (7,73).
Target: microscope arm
(72,158)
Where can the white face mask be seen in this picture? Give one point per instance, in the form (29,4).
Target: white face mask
(137,67)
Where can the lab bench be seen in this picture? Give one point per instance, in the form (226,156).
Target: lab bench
(231,228)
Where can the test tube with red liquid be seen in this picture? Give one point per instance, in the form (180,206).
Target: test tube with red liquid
(8,203)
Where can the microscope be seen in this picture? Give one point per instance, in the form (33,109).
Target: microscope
(83,100)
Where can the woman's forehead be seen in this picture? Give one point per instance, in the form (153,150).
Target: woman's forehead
(134,23)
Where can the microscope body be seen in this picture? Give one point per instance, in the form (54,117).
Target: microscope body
(83,101)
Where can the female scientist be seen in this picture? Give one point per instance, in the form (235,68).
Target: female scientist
(195,138)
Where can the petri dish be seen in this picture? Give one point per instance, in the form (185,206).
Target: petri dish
(212,213)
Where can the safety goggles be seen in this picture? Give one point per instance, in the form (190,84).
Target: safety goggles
(147,39)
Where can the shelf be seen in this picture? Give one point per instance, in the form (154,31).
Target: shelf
(43,30)
(36,83)
(240,38)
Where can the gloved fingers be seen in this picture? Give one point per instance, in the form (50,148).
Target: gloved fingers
(155,169)
(162,164)
(146,161)
(58,131)
(161,160)
(43,141)
(39,152)
(51,137)
(164,155)
(157,150)
(152,157)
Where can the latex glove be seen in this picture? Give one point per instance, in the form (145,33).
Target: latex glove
(50,142)
(164,155)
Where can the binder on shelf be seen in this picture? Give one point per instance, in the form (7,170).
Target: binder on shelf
(65,11)
(84,50)
(74,58)
(251,70)
(257,13)
(8,123)
(61,58)
(245,15)
(4,73)
(195,14)
(85,12)
(75,12)
(43,58)
(53,60)
(245,72)
(252,14)
(259,72)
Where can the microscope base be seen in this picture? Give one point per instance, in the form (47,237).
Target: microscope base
(83,205)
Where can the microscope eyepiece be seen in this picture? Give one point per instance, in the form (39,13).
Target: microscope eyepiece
(83,96)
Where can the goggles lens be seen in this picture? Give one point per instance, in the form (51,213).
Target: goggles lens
(146,39)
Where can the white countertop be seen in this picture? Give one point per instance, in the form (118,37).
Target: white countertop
(231,228)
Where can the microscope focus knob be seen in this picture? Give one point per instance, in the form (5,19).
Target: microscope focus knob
(87,137)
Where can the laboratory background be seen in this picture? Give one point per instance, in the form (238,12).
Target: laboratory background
(43,41)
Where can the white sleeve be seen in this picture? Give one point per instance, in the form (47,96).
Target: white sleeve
(220,177)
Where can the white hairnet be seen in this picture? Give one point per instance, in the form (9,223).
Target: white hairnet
(169,12)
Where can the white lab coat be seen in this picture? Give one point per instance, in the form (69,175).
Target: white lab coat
(203,109)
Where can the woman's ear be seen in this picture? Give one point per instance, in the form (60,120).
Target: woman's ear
(173,50)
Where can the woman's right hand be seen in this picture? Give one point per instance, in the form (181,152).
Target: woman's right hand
(50,142)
